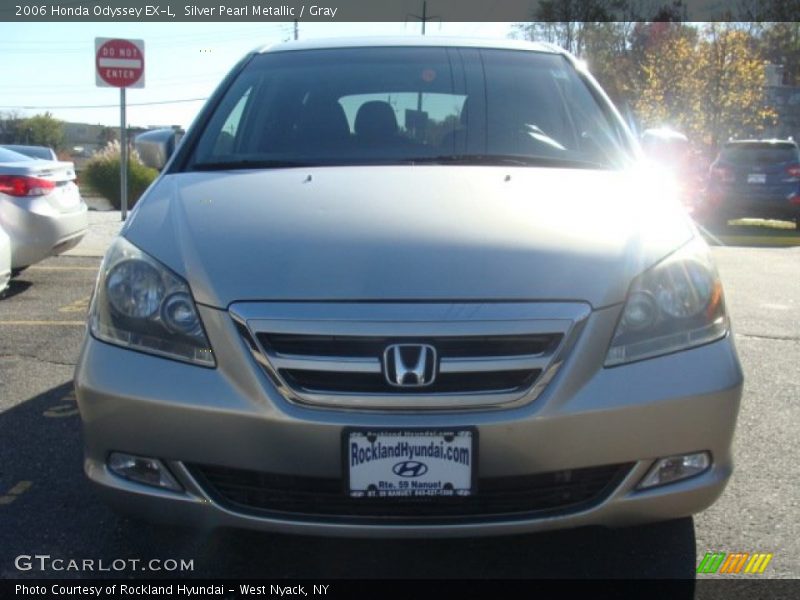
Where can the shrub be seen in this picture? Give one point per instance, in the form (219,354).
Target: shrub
(102,174)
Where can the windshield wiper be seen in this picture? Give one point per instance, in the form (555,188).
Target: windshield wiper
(505,159)
(248,164)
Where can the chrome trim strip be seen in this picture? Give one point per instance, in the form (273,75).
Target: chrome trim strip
(419,401)
(493,363)
(342,364)
(409,328)
(393,312)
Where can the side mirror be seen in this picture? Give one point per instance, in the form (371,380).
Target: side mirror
(156,146)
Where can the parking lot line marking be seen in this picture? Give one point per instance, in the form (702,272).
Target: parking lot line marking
(59,412)
(69,409)
(36,323)
(19,488)
(80,305)
(63,268)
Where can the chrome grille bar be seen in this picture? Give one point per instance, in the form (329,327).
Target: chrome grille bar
(495,363)
(342,364)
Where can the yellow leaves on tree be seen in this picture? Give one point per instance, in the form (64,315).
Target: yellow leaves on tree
(711,86)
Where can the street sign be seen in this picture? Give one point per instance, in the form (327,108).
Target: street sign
(119,63)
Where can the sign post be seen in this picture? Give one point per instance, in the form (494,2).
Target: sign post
(120,63)
(123,155)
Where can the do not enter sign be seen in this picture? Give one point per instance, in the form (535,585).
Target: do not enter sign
(119,63)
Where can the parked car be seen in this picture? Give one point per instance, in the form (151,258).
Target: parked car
(41,209)
(756,178)
(408,287)
(41,152)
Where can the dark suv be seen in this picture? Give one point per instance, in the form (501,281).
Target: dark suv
(756,178)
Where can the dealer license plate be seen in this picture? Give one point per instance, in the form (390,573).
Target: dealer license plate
(757,178)
(383,464)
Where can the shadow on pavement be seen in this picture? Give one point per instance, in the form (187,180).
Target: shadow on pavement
(59,515)
(15,286)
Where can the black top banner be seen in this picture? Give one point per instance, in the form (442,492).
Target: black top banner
(397,10)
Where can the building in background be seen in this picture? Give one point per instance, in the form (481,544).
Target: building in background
(785,99)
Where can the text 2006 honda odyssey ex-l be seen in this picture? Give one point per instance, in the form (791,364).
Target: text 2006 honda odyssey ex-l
(408,288)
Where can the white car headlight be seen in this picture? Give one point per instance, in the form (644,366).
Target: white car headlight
(675,305)
(140,304)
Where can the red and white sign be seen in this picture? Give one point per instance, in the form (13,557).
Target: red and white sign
(119,63)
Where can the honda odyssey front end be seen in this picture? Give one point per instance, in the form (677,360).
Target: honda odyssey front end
(408,288)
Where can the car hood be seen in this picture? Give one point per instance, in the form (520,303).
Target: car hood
(409,232)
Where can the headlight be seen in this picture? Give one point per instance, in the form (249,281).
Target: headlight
(140,304)
(673,306)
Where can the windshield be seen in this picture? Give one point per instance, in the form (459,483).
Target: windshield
(426,105)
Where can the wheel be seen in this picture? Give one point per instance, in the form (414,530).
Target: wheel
(17,271)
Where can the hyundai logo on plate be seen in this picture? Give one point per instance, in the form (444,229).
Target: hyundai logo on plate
(410,468)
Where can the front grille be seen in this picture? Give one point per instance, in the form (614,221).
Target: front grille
(538,495)
(342,355)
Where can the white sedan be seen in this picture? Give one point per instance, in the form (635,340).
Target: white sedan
(41,209)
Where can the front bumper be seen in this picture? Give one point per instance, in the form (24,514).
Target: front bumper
(232,416)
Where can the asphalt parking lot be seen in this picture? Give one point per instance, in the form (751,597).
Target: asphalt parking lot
(47,507)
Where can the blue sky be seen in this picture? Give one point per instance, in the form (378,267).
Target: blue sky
(51,65)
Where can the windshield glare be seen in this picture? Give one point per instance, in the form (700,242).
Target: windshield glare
(400,105)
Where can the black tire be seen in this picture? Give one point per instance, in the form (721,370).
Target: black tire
(17,271)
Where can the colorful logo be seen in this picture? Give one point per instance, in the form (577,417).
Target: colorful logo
(735,562)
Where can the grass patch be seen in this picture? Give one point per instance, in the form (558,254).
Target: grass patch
(757,233)
(762,223)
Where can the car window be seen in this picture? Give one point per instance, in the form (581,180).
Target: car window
(420,116)
(542,107)
(42,152)
(38,152)
(11,156)
(395,105)
(763,153)
(224,144)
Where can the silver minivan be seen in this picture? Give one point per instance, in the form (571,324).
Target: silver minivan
(408,287)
